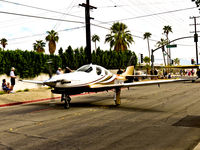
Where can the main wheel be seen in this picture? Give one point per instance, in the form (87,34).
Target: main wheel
(67,104)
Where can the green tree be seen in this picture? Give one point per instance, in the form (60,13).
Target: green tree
(162,44)
(120,37)
(166,30)
(177,61)
(147,35)
(4,42)
(95,38)
(147,61)
(69,53)
(197,2)
(39,46)
(52,38)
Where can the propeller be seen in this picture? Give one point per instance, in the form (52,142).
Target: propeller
(49,62)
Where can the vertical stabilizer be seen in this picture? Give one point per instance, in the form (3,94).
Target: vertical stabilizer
(129,71)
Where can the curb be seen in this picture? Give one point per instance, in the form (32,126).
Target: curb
(37,100)
(26,102)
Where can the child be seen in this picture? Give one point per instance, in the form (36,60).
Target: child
(5,87)
(8,85)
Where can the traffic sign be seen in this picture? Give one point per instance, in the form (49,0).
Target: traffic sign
(171,46)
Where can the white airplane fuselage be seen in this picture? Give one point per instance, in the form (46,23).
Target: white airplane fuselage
(83,77)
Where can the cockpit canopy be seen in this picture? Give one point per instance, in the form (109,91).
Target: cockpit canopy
(85,68)
(98,70)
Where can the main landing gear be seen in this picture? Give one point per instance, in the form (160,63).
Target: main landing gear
(66,99)
(117,96)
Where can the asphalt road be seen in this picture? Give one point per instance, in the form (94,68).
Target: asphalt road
(149,118)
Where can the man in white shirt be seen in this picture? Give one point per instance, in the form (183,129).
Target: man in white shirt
(12,78)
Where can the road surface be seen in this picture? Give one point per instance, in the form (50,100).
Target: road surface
(149,118)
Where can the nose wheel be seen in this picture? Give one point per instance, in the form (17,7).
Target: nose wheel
(66,98)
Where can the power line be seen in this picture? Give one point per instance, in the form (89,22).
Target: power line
(150,15)
(47,18)
(75,28)
(19,4)
(45,9)
(63,16)
(24,15)
(29,36)
(111,6)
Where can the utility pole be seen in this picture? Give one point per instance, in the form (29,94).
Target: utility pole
(88,33)
(152,61)
(196,37)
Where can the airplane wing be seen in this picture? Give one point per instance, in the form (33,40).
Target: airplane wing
(32,81)
(129,76)
(183,67)
(142,83)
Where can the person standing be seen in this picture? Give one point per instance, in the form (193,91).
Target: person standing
(12,78)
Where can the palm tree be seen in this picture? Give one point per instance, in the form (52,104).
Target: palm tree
(120,38)
(162,44)
(177,61)
(197,2)
(147,60)
(167,29)
(39,46)
(147,35)
(95,38)
(52,38)
(3,42)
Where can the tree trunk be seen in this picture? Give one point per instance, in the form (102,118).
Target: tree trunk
(52,47)
(149,48)
(168,55)
(163,50)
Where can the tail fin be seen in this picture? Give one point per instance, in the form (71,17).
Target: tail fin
(129,71)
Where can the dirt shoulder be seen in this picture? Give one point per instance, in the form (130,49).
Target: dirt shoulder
(32,94)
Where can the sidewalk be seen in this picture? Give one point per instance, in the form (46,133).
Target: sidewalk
(33,95)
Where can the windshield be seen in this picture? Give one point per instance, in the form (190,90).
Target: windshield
(86,68)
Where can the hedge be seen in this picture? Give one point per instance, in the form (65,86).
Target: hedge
(31,64)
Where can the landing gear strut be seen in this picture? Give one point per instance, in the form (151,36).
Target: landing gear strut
(117,96)
(67,100)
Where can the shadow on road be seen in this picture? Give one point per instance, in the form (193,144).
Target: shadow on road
(189,121)
(93,104)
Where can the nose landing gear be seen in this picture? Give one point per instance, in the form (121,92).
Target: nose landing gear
(66,98)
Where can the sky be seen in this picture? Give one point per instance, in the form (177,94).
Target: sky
(140,16)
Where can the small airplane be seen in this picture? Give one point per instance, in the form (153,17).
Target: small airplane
(94,78)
